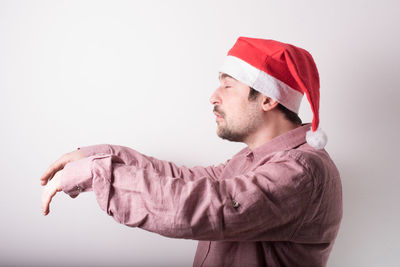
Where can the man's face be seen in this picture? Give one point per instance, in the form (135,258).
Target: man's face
(237,117)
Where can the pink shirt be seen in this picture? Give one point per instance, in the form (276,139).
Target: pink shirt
(278,205)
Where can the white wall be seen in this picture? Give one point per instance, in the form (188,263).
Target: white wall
(140,74)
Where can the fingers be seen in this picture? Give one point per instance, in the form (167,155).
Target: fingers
(48,193)
(59,165)
(49,173)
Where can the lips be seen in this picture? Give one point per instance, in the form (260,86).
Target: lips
(216,114)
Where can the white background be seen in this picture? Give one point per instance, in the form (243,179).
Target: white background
(140,74)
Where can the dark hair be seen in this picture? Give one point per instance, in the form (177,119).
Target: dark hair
(289,115)
(253,94)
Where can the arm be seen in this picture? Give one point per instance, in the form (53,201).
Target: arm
(268,203)
(133,157)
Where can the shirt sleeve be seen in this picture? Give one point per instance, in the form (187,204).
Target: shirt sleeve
(167,168)
(265,204)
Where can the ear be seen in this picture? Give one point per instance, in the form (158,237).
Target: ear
(268,103)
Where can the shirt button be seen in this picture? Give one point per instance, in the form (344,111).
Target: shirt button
(235,204)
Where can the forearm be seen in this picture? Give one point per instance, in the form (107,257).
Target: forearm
(139,197)
(128,155)
(133,157)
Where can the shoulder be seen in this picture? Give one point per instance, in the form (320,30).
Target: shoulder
(316,163)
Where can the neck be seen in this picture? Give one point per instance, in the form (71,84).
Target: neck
(268,131)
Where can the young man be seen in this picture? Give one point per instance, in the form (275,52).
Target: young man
(277,202)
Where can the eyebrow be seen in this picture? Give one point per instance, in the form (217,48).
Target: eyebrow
(222,75)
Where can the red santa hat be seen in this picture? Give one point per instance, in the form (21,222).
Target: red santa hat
(281,71)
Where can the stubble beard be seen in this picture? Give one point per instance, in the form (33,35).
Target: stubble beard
(229,132)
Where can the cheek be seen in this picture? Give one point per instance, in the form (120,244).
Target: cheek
(246,111)
(236,108)
(242,109)
(237,113)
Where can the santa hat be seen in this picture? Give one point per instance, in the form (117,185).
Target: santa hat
(281,71)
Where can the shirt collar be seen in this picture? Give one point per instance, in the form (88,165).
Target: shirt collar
(285,141)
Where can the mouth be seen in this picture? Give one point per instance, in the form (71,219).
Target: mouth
(217,115)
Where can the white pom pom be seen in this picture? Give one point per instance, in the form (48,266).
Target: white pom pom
(317,139)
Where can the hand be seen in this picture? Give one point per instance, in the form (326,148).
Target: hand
(50,190)
(59,165)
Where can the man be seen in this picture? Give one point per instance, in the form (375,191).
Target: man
(277,202)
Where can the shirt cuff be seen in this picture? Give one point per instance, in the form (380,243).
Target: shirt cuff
(77,177)
(88,151)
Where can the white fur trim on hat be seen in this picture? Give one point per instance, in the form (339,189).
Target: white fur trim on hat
(262,82)
(317,139)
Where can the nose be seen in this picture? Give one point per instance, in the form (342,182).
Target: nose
(215,97)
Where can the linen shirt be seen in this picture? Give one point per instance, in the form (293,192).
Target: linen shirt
(279,204)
